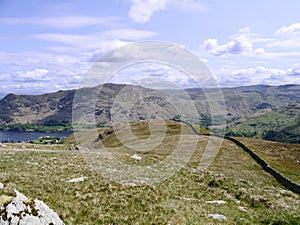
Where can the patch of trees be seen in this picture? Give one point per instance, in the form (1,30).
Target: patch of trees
(46,127)
(281,136)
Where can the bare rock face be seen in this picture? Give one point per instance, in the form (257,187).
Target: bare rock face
(23,211)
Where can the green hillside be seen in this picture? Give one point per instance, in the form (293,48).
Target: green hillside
(281,125)
(251,196)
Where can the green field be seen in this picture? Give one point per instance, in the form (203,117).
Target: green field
(234,177)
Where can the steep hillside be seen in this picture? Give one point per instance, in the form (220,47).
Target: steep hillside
(57,107)
(261,111)
(282,124)
(36,108)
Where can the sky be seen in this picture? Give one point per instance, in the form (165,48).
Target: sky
(49,45)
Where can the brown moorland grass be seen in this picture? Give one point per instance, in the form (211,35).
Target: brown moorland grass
(43,172)
(283,157)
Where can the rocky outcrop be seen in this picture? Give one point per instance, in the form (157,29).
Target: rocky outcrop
(23,211)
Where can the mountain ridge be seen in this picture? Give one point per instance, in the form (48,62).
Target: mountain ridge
(252,111)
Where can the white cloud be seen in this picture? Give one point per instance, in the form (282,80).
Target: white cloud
(292,30)
(127,34)
(37,59)
(102,40)
(153,75)
(238,46)
(106,47)
(288,37)
(40,80)
(62,22)
(69,39)
(32,76)
(260,51)
(291,43)
(34,72)
(141,11)
(245,42)
(228,76)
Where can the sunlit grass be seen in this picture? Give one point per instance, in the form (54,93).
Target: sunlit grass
(234,177)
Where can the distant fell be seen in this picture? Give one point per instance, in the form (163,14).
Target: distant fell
(269,112)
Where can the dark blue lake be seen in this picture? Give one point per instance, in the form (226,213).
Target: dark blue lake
(28,136)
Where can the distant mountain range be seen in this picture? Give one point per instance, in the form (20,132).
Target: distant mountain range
(269,112)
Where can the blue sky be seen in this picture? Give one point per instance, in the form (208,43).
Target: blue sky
(49,45)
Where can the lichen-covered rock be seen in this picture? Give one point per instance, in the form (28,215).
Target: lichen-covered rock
(23,211)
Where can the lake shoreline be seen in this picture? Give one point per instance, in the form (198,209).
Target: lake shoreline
(26,136)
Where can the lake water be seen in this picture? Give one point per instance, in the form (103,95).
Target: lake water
(28,136)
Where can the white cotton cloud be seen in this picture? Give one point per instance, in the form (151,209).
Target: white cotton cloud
(242,43)
(141,11)
(40,80)
(259,51)
(153,75)
(33,75)
(34,72)
(238,46)
(291,30)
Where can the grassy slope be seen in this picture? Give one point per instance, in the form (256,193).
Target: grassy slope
(233,177)
(285,158)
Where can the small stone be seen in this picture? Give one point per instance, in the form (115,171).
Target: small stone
(217,216)
(75,180)
(137,157)
(218,202)
(1,185)
(244,209)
